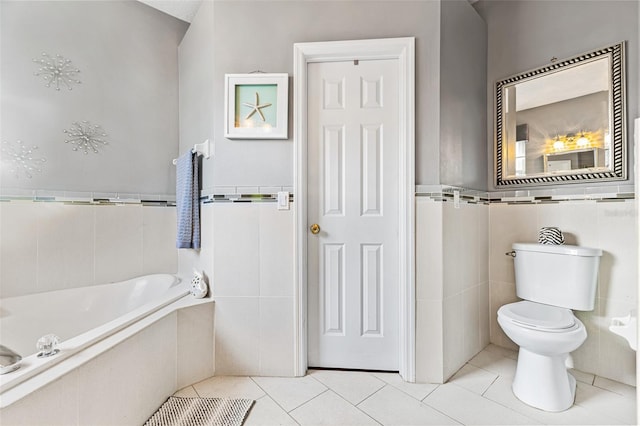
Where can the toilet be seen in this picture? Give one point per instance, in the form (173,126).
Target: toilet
(552,280)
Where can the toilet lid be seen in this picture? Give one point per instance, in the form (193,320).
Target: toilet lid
(539,316)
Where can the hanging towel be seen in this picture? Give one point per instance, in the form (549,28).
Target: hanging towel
(188,202)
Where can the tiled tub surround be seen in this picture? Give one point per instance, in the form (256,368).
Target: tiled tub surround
(124,378)
(53,245)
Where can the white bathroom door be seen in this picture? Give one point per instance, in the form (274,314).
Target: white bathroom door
(353,177)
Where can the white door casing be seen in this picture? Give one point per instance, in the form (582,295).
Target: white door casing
(401,49)
(352,181)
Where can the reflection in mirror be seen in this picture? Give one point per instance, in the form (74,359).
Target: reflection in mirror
(563,122)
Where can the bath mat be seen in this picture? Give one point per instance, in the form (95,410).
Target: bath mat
(179,411)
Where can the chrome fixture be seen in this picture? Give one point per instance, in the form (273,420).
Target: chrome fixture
(9,360)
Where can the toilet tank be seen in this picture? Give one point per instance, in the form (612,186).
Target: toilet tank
(558,275)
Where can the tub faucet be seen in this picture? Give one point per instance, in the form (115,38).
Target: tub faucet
(9,360)
(47,345)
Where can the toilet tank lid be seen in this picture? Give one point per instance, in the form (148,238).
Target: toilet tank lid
(557,249)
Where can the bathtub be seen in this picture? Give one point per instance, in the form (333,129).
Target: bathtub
(80,317)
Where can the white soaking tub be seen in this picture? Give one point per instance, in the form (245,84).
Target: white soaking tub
(80,317)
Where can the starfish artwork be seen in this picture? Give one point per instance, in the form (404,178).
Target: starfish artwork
(256,107)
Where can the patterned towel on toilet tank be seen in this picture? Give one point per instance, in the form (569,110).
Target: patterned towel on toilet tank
(188,201)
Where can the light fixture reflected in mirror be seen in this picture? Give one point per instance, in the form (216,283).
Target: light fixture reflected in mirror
(582,141)
(558,145)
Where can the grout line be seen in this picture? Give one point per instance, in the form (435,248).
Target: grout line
(488,387)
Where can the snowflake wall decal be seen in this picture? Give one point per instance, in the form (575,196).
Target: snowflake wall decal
(57,71)
(21,160)
(86,137)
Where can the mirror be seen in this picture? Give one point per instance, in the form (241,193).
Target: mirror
(563,123)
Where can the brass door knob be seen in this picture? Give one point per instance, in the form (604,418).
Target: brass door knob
(315,228)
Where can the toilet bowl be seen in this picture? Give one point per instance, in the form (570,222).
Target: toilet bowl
(546,335)
(552,280)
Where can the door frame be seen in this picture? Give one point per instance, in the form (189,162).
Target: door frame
(403,50)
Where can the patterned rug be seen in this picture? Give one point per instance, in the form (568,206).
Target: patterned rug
(178,411)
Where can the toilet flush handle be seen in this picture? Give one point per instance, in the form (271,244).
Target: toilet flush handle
(511,253)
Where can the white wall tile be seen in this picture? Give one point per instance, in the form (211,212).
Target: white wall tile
(617,237)
(470,323)
(237,336)
(501,294)
(195,348)
(159,254)
(587,356)
(121,376)
(617,360)
(509,224)
(453,335)
(482,242)
(428,249)
(276,251)
(56,403)
(65,246)
(276,336)
(454,255)
(236,253)
(468,256)
(483,314)
(575,219)
(429,341)
(18,248)
(118,250)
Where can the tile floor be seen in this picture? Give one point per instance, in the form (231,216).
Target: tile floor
(479,394)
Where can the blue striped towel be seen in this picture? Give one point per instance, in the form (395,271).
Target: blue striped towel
(188,202)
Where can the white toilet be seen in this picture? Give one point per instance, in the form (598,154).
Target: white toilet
(552,280)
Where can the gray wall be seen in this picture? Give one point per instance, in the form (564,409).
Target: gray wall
(127,54)
(526,34)
(259,35)
(463,99)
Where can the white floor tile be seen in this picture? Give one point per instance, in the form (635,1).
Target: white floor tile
(290,393)
(354,386)
(616,387)
(499,350)
(417,390)
(495,363)
(473,378)
(265,412)
(500,392)
(329,409)
(390,406)
(478,394)
(228,386)
(471,409)
(607,403)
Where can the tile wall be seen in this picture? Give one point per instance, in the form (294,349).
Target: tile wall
(452,285)
(608,225)
(48,246)
(248,258)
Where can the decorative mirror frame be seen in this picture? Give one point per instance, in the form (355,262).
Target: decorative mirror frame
(617,121)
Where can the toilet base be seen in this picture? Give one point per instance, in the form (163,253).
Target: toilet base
(543,381)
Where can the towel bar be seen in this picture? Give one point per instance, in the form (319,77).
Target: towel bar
(200,149)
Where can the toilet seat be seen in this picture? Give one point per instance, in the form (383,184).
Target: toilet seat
(537,316)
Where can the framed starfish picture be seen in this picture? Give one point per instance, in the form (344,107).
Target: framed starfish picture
(256,106)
